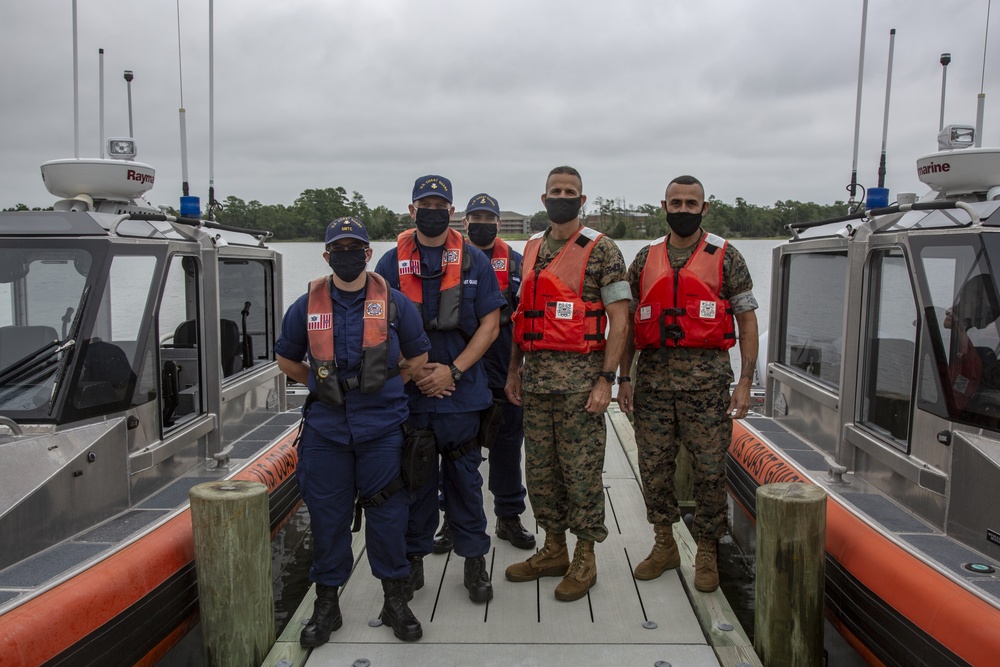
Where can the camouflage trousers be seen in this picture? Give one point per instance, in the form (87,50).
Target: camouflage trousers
(564,463)
(665,420)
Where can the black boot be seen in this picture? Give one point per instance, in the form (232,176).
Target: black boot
(325,619)
(442,540)
(415,580)
(397,614)
(509,528)
(477,580)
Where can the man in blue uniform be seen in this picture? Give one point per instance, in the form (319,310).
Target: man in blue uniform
(364,340)
(456,290)
(482,224)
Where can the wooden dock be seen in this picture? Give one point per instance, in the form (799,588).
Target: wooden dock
(621,621)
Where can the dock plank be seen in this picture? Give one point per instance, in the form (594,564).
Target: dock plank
(525,625)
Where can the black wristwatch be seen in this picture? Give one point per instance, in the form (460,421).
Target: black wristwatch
(607,375)
(624,378)
(456,374)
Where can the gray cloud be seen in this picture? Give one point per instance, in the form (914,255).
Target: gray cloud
(756,98)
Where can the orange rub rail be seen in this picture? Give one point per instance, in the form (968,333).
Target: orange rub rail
(957,618)
(47,625)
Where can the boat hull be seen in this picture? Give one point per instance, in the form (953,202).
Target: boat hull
(892,606)
(132,606)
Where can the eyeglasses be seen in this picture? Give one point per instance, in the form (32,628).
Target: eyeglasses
(353,247)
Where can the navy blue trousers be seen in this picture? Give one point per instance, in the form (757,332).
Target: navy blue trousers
(461,486)
(330,474)
(505,463)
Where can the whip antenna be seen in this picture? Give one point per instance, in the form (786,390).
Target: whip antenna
(981,100)
(212,204)
(857,113)
(76,91)
(100,95)
(885,119)
(180,111)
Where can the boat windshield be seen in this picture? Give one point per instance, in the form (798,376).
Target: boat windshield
(72,327)
(42,290)
(960,372)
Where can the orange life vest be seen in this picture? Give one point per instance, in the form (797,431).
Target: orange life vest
(552,314)
(454,262)
(683,308)
(503,264)
(379,311)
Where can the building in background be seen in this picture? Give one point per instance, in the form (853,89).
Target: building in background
(510,223)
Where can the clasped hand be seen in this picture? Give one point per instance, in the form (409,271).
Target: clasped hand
(434,380)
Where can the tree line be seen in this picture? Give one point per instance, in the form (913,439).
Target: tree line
(306,219)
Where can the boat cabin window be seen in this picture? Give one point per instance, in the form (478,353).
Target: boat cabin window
(115,353)
(960,373)
(182,356)
(246,299)
(813,317)
(889,349)
(43,291)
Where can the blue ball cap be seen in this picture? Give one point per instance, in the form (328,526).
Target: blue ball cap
(483,202)
(432,186)
(346,228)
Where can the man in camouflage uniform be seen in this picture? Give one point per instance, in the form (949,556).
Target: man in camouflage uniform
(682,389)
(565,393)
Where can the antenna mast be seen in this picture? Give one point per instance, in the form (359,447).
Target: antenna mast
(76,91)
(212,204)
(981,99)
(885,119)
(857,113)
(100,67)
(181,111)
(945,60)
(128,84)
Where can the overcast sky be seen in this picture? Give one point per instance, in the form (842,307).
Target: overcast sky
(756,98)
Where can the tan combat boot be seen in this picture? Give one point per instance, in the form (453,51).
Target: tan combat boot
(552,560)
(582,574)
(664,555)
(706,570)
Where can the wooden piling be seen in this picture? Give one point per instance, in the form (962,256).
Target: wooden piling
(791,553)
(232,545)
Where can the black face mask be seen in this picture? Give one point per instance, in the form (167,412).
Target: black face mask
(683,224)
(482,233)
(563,209)
(433,221)
(349,264)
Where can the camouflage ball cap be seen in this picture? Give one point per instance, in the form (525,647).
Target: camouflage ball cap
(346,228)
(432,186)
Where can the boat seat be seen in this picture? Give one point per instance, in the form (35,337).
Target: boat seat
(231,356)
(16,342)
(991,367)
(106,375)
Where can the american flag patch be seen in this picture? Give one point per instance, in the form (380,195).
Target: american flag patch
(319,321)
(409,267)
